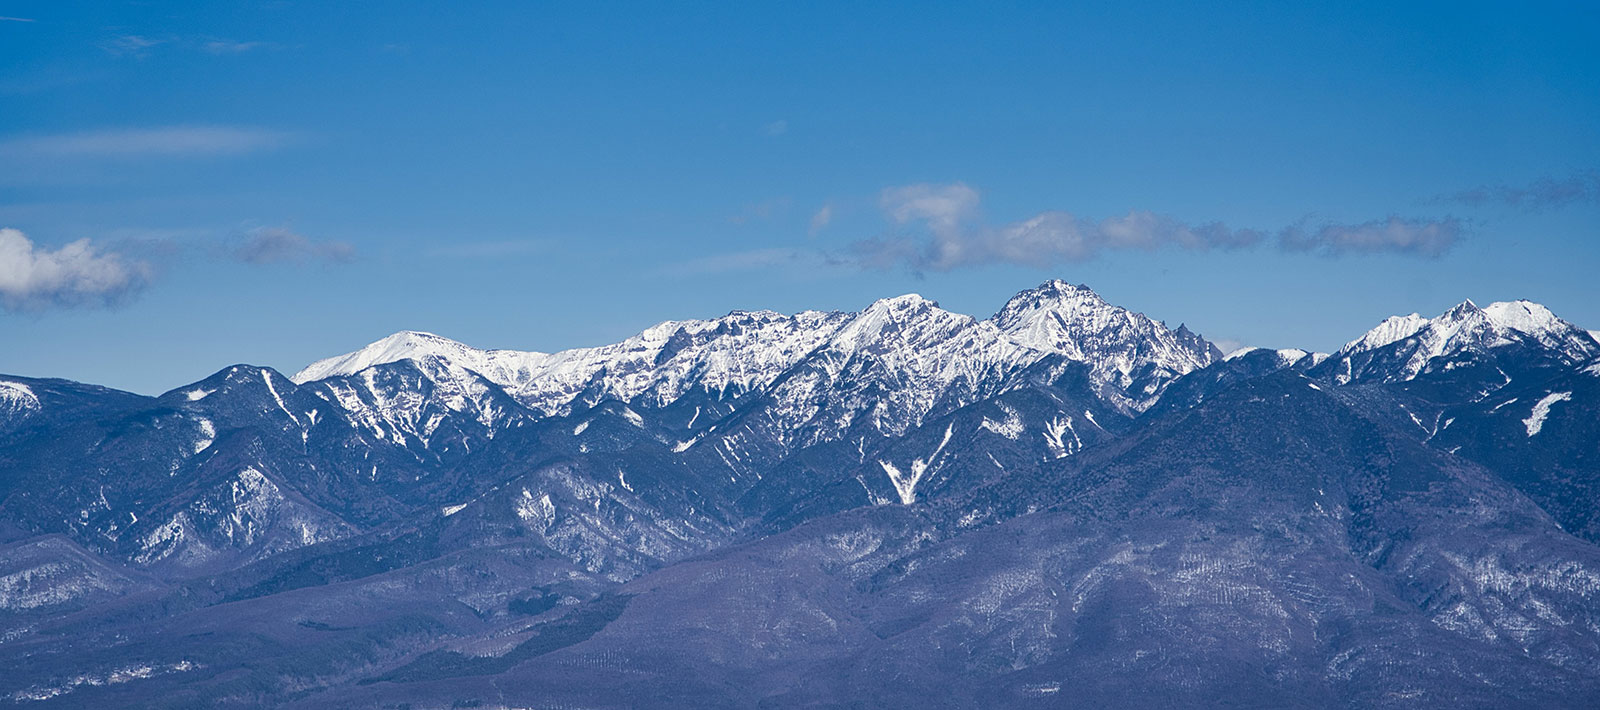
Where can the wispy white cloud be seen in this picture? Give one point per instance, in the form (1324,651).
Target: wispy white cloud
(821,219)
(751,260)
(141,46)
(476,250)
(277,245)
(1548,192)
(165,141)
(945,209)
(77,274)
(131,45)
(766,209)
(776,128)
(225,46)
(15,19)
(940,229)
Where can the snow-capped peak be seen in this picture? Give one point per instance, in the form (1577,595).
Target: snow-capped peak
(889,315)
(1523,316)
(411,345)
(1464,328)
(1077,323)
(902,303)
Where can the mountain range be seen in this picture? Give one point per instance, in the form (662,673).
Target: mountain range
(1064,504)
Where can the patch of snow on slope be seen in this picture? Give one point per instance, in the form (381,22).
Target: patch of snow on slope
(1541,410)
(1054,436)
(113,677)
(632,417)
(1011,427)
(537,513)
(267,378)
(906,484)
(208,435)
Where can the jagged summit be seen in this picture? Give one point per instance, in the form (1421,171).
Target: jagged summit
(1060,317)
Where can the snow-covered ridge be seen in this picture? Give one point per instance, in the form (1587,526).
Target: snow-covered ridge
(1463,321)
(1392,329)
(891,364)
(749,350)
(737,352)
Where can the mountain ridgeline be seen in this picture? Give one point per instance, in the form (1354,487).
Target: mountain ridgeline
(1065,504)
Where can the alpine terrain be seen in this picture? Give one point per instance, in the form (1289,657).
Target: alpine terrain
(1064,504)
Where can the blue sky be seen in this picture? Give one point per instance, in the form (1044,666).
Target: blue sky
(276,182)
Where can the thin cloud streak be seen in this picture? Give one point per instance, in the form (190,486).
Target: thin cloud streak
(277,245)
(761,211)
(480,250)
(1393,235)
(752,260)
(131,45)
(1544,193)
(220,46)
(941,231)
(168,141)
(820,220)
